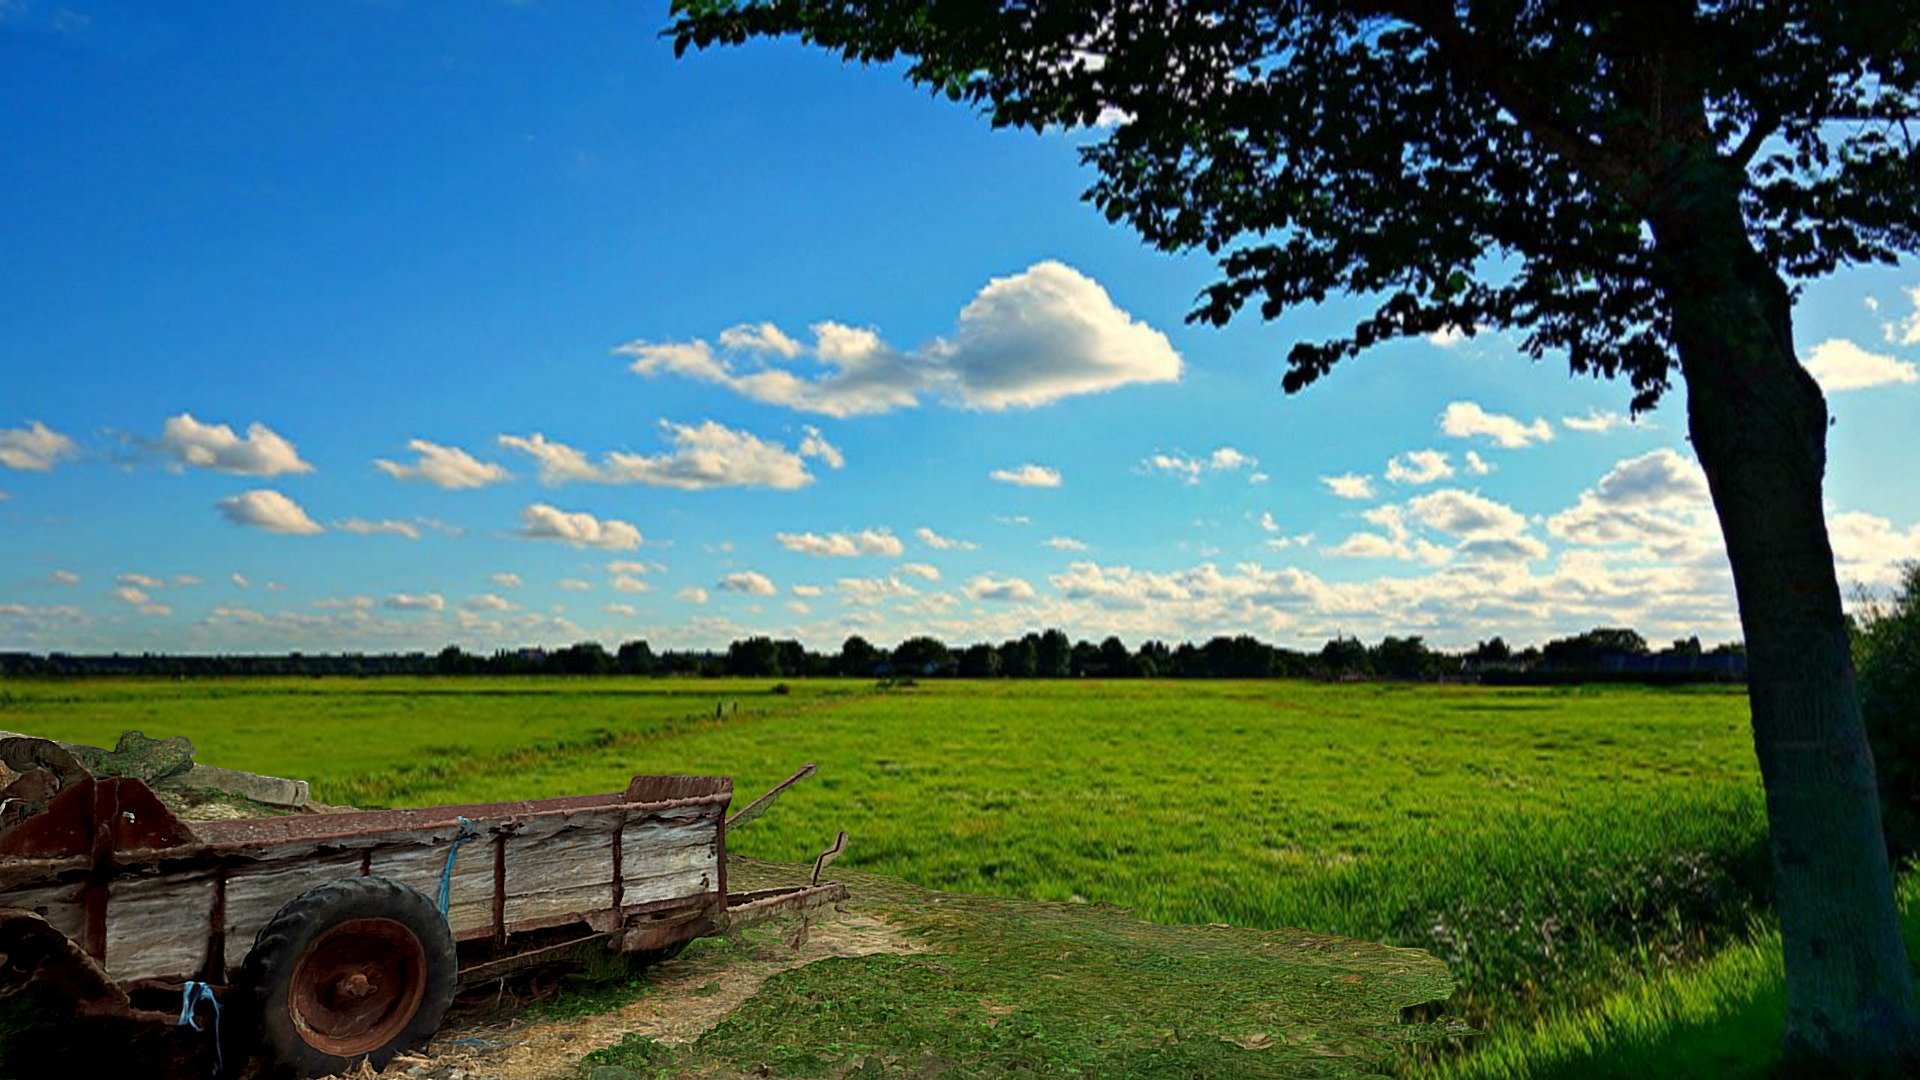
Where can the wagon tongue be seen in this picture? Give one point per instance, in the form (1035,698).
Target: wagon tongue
(759,806)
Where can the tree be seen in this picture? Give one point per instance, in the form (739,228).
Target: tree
(753,656)
(858,658)
(1053,655)
(1344,656)
(1636,186)
(1404,658)
(921,656)
(1115,662)
(635,658)
(1021,659)
(980,661)
(1496,651)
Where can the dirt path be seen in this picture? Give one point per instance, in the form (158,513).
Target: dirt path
(683,998)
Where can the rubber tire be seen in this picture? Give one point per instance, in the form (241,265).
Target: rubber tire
(268,972)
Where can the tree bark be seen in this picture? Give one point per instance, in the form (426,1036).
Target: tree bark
(1759,424)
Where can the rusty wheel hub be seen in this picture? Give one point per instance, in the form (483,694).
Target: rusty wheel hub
(358,986)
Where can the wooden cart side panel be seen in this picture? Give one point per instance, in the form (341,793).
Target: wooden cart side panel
(57,902)
(560,867)
(470,895)
(159,926)
(672,855)
(257,892)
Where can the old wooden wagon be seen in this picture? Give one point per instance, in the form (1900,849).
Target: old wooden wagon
(322,940)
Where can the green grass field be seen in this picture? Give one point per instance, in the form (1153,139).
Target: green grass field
(1556,847)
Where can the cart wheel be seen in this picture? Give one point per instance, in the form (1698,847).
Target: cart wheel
(359,970)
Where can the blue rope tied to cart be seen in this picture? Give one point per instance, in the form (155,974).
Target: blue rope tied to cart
(467,832)
(191,997)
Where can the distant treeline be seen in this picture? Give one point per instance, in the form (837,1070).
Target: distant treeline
(1602,654)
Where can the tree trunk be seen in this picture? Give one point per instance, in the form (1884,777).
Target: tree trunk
(1759,423)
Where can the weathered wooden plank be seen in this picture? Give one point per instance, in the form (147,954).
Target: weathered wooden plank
(560,868)
(58,903)
(470,897)
(159,925)
(676,884)
(256,893)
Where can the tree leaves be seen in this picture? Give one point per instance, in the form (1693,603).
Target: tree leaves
(1482,163)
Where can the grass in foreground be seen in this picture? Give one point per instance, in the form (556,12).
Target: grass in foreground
(1723,1018)
(1062,990)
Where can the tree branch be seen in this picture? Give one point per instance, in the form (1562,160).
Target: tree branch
(1477,61)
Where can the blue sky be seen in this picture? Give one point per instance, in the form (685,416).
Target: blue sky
(254,250)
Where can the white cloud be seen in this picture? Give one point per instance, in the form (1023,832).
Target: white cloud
(1447,337)
(269,511)
(1466,515)
(705,455)
(1476,464)
(1838,364)
(239,580)
(558,462)
(1001,589)
(692,594)
(581,529)
(1190,469)
(64,577)
(629,583)
(143,581)
(487,602)
(749,582)
(1466,420)
(575,585)
(1869,550)
(185,581)
(139,600)
(865,592)
(760,338)
(1657,500)
(506,580)
(415,602)
(1418,467)
(1907,330)
(387,527)
(214,446)
(1227,459)
(942,543)
(1366,546)
(1599,422)
(843,545)
(1064,543)
(1267,522)
(924,571)
(807,590)
(1038,336)
(35,448)
(443,466)
(629,566)
(1028,475)
(815,445)
(627,611)
(799,608)
(1349,485)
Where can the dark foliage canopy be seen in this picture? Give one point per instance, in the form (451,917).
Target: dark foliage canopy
(1473,164)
